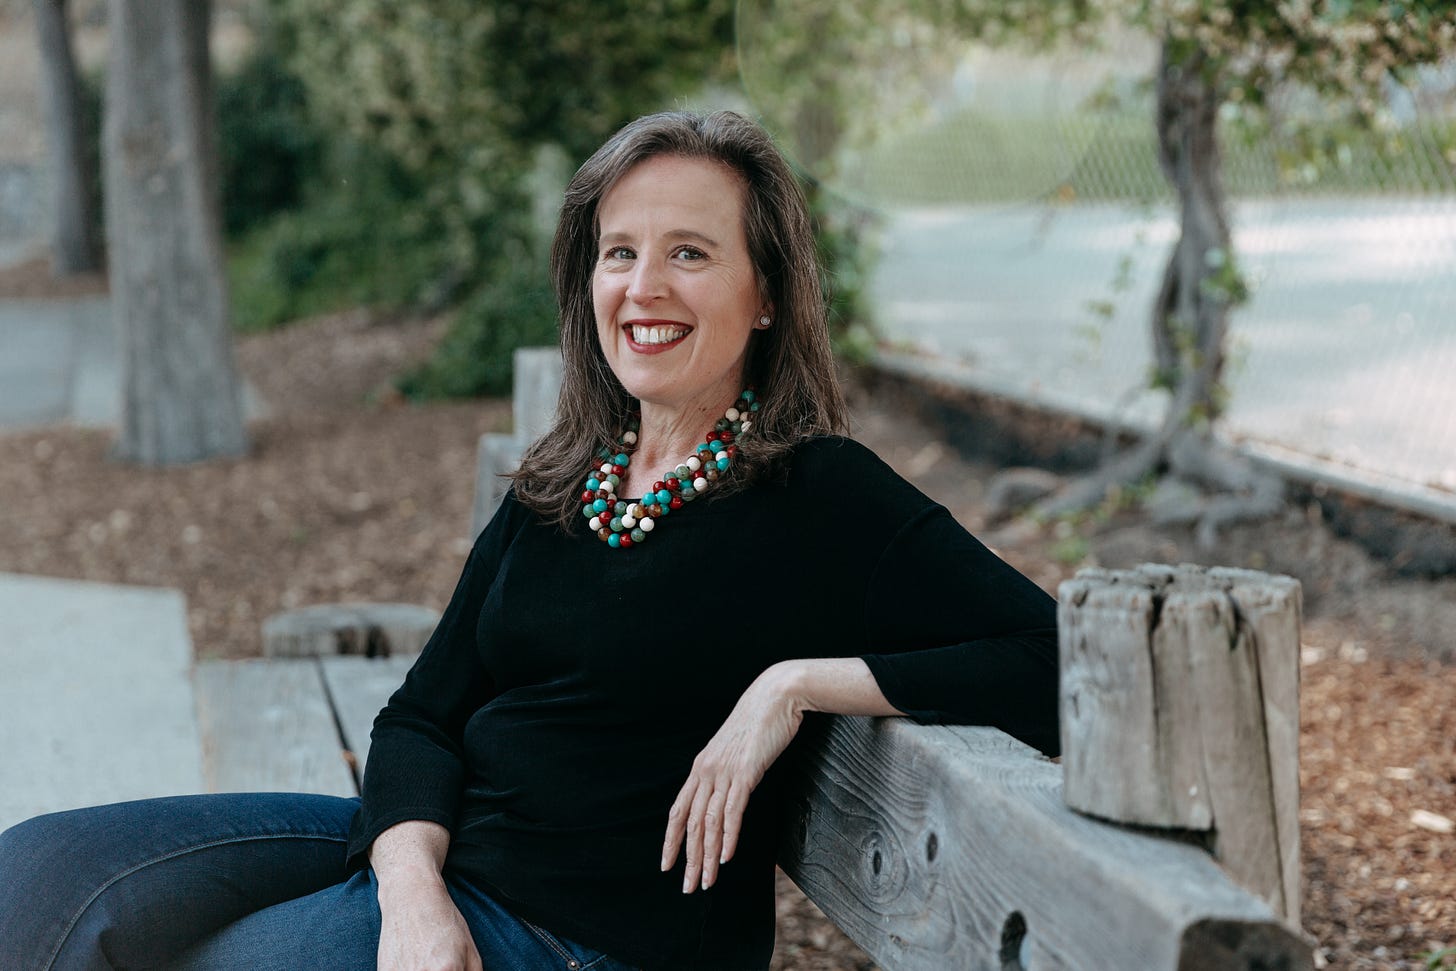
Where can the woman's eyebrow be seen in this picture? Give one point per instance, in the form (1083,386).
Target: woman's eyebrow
(608,239)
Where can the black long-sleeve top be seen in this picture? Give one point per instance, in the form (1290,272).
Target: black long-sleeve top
(555,713)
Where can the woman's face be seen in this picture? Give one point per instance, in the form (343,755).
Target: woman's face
(674,290)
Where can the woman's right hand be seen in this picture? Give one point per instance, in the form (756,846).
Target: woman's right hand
(421,930)
(420,927)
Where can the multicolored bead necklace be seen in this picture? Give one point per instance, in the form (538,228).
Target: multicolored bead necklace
(622,524)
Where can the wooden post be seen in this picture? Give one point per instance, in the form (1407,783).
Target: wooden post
(537,384)
(1180,710)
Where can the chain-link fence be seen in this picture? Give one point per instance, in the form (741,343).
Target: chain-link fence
(1028,223)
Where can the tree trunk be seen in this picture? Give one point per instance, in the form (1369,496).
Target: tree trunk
(1190,321)
(75,247)
(180,391)
(1190,318)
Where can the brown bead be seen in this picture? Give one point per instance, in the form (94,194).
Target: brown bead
(711,475)
(603,533)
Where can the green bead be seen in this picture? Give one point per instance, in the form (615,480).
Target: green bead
(638,536)
(616,524)
(721,425)
(737,428)
(603,452)
(748,396)
(614,479)
(686,492)
(753,406)
(683,472)
(620,509)
(589,511)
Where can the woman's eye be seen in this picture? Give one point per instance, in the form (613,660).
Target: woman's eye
(691,253)
(617,253)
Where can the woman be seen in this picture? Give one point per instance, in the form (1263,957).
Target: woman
(577,772)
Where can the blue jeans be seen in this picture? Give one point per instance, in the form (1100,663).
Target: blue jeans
(251,881)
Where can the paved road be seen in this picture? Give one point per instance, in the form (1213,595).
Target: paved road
(1349,344)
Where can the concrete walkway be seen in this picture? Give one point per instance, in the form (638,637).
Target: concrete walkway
(96,699)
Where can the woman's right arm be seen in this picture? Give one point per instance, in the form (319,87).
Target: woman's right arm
(420,926)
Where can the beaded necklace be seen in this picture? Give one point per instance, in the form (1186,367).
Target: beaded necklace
(622,524)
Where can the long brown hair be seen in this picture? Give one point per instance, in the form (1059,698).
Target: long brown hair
(790,362)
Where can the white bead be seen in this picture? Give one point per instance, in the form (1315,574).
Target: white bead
(630,438)
(596,523)
(611,489)
(646,525)
(746,425)
(693,463)
(731,414)
(700,484)
(606,468)
(628,522)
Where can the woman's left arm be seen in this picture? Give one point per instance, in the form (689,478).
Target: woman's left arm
(709,808)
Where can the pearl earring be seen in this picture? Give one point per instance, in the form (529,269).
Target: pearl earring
(764,321)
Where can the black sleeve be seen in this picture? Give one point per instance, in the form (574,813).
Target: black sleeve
(960,636)
(415,768)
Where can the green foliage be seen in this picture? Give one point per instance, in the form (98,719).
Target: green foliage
(516,309)
(843,234)
(358,238)
(460,96)
(269,147)
(1443,958)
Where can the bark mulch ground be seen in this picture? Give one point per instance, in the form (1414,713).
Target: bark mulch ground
(351,493)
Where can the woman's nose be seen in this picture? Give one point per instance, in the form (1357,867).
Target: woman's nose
(648,282)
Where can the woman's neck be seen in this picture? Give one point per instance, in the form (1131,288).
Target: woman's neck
(665,440)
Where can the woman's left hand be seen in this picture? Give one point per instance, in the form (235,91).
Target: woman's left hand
(709,808)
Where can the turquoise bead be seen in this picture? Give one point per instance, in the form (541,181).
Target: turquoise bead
(686,492)
(621,459)
(614,540)
(638,536)
(753,406)
(663,497)
(602,452)
(600,505)
(723,463)
(593,484)
(649,499)
(716,446)
(702,446)
(748,396)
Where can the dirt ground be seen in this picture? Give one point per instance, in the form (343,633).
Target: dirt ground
(352,493)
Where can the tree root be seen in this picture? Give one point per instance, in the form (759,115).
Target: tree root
(1226,488)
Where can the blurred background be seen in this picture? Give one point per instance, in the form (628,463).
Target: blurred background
(996,222)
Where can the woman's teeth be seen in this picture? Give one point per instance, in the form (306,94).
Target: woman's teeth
(657,335)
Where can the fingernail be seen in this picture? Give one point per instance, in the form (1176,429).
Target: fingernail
(687,886)
(723,858)
(663,865)
(705,881)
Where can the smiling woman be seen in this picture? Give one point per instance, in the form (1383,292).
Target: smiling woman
(581,770)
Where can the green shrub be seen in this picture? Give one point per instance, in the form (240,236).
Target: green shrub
(269,148)
(516,309)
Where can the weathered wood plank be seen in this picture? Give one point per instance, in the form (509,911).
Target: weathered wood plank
(358,687)
(267,727)
(1180,710)
(496,455)
(536,384)
(366,629)
(95,696)
(932,845)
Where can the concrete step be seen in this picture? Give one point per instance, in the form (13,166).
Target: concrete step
(96,700)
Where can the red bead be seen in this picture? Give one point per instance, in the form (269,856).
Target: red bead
(732,451)
(676,502)
(617,470)
(712,436)
(588,496)
(658,487)
(725,437)
(673,485)
(603,494)
(626,541)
